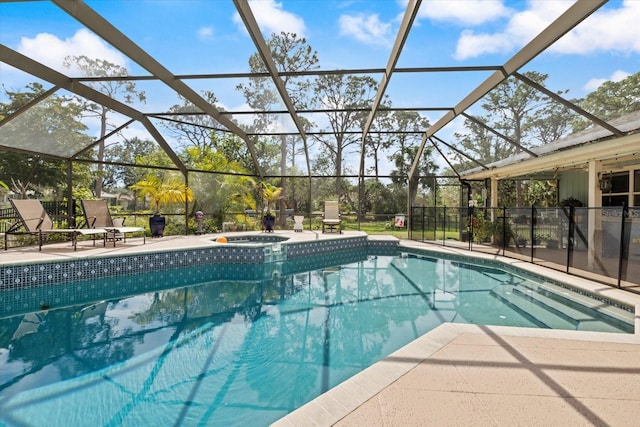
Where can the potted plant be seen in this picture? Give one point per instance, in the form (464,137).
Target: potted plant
(270,194)
(500,230)
(481,227)
(571,201)
(552,244)
(162,190)
(538,238)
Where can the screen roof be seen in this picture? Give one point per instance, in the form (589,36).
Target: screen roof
(441,59)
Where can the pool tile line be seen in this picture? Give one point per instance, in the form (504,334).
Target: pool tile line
(13,276)
(35,286)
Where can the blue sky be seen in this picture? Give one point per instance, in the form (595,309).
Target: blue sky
(206,36)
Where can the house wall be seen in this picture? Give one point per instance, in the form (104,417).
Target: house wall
(573,184)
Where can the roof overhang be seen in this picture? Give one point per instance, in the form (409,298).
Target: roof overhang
(564,159)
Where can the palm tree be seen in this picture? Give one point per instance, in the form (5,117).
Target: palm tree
(163,190)
(271,194)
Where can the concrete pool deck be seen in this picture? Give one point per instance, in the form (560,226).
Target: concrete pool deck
(458,374)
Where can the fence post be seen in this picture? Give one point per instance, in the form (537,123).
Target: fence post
(422,222)
(504,229)
(533,228)
(470,217)
(444,224)
(625,213)
(570,234)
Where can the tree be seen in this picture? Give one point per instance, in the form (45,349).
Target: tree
(611,100)
(128,152)
(379,198)
(127,89)
(517,111)
(481,144)
(410,126)
(192,128)
(163,189)
(512,104)
(349,97)
(52,125)
(229,190)
(270,194)
(377,141)
(291,54)
(551,122)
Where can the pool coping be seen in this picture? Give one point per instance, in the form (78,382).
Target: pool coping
(361,396)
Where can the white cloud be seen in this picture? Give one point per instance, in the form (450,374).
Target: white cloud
(599,33)
(522,27)
(470,12)
(272,18)
(51,50)
(595,83)
(610,30)
(471,45)
(205,33)
(366,28)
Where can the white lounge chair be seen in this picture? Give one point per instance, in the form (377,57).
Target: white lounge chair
(97,215)
(34,220)
(331,216)
(298,222)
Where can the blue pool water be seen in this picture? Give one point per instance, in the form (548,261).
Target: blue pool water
(194,347)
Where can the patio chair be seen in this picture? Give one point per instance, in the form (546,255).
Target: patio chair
(34,220)
(97,215)
(298,221)
(331,216)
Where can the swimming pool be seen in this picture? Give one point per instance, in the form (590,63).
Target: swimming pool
(194,346)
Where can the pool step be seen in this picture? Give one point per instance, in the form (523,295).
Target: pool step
(575,316)
(567,298)
(550,309)
(532,308)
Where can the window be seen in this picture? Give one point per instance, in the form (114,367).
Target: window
(619,192)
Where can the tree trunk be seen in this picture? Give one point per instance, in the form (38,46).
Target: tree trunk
(103,132)
(339,168)
(283,182)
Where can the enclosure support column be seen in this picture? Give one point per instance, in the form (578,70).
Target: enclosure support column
(621,256)
(532,231)
(494,196)
(186,205)
(71,217)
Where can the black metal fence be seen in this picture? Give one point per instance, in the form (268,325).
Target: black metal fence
(596,243)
